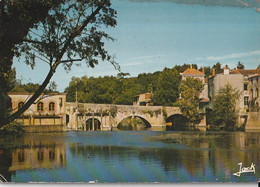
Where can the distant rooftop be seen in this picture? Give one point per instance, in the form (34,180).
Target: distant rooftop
(192,71)
(245,71)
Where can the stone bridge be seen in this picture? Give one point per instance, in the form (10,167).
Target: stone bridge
(109,116)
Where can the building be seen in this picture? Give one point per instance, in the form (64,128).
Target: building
(144,99)
(237,78)
(247,73)
(216,82)
(48,114)
(193,73)
(254,89)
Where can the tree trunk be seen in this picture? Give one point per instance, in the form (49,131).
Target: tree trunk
(30,101)
(6,61)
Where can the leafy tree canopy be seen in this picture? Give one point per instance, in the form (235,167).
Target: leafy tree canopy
(217,68)
(71,31)
(166,92)
(224,107)
(189,103)
(240,65)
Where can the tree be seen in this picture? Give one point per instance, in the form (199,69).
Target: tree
(16,19)
(217,68)
(224,107)
(189,103)
(207,71)
(71,32)
(166,92)
(240,65)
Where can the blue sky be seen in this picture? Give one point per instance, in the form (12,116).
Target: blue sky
(153,35)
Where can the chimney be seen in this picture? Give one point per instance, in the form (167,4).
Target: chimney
(203,70)
(213,72)
(190,66)
(226,70)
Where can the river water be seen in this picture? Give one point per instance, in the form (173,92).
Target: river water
(130,156)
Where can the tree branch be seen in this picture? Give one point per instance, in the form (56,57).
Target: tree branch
(72,60)
(51,71)
(32,41)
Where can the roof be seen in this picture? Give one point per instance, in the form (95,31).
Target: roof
(245,71)
(192,71)
(147,93)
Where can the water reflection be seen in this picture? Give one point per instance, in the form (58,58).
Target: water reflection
(201,156)
(131,156)
(33,151)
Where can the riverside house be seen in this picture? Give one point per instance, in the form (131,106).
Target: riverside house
(47,114)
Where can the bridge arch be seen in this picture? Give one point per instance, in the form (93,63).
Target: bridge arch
(132,123)
(179,122)
(91,125)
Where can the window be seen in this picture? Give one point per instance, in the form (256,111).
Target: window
(40,107)
(51,106)
(257,93)
(20,105)
(245,87)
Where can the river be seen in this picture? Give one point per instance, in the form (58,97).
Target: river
(130,156)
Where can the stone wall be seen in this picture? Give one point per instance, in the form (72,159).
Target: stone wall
(253,121)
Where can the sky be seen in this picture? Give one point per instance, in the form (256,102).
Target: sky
(153,34)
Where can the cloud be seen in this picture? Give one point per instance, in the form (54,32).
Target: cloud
(233,3)
(132,64)
(147,57)
(140,60)
(230,56)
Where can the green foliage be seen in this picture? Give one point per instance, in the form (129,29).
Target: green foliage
(182,68)
(148,81)
(69,32)
(207,71)
(189,103)
(108,89)
(224,107)
(13,128)
(166,92)
(31,87)
(240,65)
(218,68)
(23,15)
(60,32)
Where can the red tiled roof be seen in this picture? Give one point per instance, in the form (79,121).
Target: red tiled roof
(191,71)
(245,71)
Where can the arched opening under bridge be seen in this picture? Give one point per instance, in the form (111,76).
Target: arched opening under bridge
(93,124)
(133,123)
(178,122)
